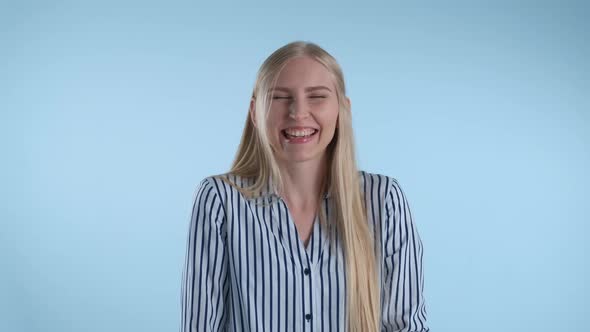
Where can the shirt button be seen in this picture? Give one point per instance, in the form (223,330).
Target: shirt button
(306,271)
(308,317)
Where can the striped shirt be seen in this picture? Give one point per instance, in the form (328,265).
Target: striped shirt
(246,269)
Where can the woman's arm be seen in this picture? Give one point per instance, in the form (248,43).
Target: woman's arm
(204,286)
(404,307)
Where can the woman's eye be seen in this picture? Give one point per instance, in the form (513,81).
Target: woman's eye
(276,97)
(318,97)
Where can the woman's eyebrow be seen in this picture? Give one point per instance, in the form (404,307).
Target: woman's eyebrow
(307,89)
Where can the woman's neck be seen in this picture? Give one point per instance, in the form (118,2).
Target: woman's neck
(303,183)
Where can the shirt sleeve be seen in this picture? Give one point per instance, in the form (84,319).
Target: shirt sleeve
(204,287)
(403,304)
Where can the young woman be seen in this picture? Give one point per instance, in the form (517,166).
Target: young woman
(294,237)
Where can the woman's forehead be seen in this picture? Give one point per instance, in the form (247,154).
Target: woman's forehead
(304,75)
(303,67)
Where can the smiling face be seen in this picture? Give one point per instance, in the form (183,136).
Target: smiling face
(304,111)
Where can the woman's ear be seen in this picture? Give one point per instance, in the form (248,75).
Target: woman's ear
(252,111)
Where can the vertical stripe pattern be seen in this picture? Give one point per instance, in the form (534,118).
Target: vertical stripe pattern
(246,269)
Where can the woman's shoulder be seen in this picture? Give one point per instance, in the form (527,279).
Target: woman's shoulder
(377,183)
(226,183)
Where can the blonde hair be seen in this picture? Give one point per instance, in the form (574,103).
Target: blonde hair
(255,159)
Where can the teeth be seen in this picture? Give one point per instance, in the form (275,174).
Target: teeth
(299,133)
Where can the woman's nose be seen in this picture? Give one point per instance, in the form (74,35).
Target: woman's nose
(298,110)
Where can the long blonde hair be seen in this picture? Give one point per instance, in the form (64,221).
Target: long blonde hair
(255,159)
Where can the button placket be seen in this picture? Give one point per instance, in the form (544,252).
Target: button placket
(310,291)
(308,281)
(306,261)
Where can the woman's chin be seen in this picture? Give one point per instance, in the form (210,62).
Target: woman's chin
(299,157)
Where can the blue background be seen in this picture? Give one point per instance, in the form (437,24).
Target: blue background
(112,112)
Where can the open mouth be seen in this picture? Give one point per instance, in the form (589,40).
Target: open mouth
(287,136)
